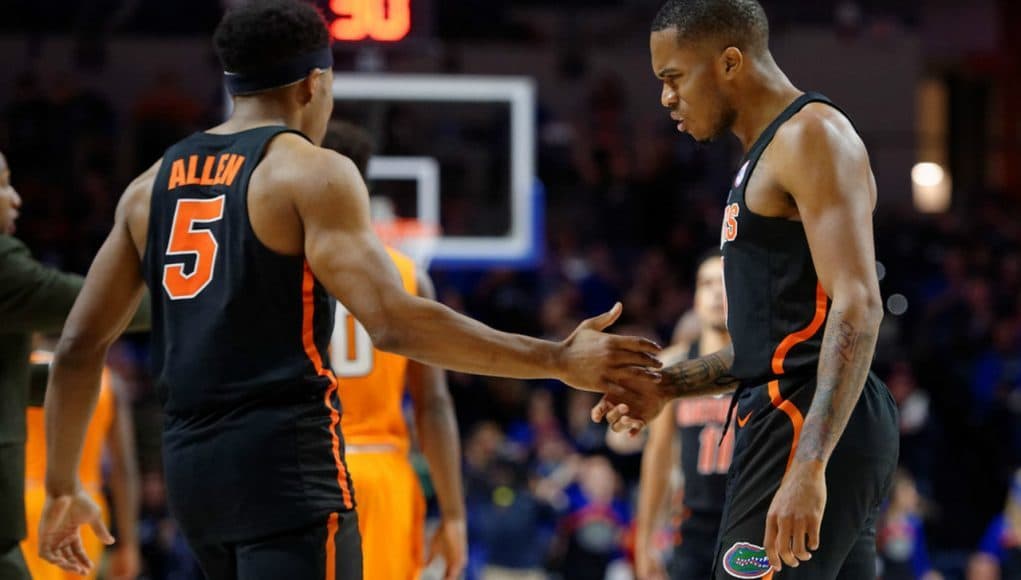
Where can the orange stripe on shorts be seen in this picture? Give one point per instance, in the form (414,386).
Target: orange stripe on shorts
(331,546)
(308,340)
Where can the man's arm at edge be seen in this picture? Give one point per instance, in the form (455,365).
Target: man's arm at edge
(112,292)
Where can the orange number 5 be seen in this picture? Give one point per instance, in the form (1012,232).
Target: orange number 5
(185,240)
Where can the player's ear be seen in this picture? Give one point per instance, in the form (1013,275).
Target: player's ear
(322,80)
(730,61)
(309,86)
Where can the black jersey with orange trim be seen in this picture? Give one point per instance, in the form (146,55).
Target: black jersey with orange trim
(776,308)
(251,440)
(706,454)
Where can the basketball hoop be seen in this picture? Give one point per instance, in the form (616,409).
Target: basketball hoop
(411,236)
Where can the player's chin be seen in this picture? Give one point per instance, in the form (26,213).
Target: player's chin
(704,139)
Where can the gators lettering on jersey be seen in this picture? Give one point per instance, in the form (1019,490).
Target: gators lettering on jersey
(776,308)
(372,382)
(251,441)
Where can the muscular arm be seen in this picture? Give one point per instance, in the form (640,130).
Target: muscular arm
(437,426)
(102,311)
(348,258)
(680,378)
(706,375)
(824,166)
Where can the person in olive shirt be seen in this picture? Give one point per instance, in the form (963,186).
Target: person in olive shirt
(33,298)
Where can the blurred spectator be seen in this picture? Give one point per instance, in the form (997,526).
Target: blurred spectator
(915,422)
(163,114)
(999,553)
(902,550)
(514,524)
(29,118)
(587,436)
(83,128)
(541,424)
(592,532)
(164,549)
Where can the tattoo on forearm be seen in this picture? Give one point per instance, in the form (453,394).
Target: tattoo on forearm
(691,377)
(847,339)
(843,366)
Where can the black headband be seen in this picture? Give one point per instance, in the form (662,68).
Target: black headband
(283,74)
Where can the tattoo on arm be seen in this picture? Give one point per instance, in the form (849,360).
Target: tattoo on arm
(845,357)
(701,376)
(847,339)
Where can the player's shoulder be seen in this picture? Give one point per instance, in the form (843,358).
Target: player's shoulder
(144,181)
(135,203)
(138,193)
(818,129)
(293,158)
(293,164)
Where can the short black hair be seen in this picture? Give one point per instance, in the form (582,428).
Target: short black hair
(263,33)
(739,23)
(351,141)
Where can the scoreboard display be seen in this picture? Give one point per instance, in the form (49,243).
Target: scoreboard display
(382,21)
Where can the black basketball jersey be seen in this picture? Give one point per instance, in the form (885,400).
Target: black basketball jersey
(776,308)
(240,339)
(705,457)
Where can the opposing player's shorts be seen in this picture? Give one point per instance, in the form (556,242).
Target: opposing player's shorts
(391,513)
(35,497)
(858,479)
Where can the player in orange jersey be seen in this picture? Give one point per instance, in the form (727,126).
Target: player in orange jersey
(109,430)
(391,507)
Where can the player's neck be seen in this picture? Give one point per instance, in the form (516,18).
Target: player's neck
(768,92)
(253,112)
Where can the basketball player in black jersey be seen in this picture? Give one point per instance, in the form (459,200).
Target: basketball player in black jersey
(818,448)
(243,233)
(705,459)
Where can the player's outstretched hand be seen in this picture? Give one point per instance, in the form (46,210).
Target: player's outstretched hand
(450,540)
(60,540)
(629,410)
(795,516)
(592,360)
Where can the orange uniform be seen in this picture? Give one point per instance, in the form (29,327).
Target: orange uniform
(391,506)
(89,472)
